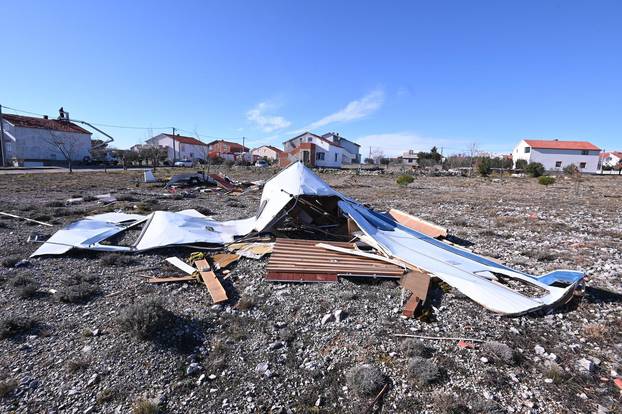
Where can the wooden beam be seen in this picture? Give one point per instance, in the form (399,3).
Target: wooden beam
(214,287)
(417,224)
(172,279)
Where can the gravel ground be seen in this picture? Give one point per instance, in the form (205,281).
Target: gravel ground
(64,347)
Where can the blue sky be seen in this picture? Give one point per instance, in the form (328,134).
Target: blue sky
(394,75)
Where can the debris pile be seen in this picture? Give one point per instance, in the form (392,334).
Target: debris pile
(343,238)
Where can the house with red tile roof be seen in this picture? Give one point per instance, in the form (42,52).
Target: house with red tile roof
(266,152)
(327,151)
(228,150)
(555,154)
(611,159)
(180,147)
(36,141)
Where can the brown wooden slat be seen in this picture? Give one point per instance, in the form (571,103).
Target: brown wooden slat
(172,279)
(216,291)
(300,277)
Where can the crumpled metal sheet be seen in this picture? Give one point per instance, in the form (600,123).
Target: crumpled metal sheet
(471,274)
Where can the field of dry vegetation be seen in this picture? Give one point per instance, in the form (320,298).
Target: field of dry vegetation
(84,332)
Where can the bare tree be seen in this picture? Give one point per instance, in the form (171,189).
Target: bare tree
(474,152)
(67,145)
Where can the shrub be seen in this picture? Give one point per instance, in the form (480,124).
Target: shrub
(553,371)
(423,371)
(246,303)
(521,164)
(412,347)
(78,289)
(229,163)
(75,365)
(571,170)
(535,169)
(448,403)
(117,259)
(11,326)
(404,180)
(125,197)
(144,319)
(365,380)
(484,166)
(7,387)
(10,261)
(499,352)
(145,407)
(546,180)
(24,286)
(55,203)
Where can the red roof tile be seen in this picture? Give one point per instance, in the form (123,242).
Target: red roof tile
(42,123)
(186,140)
(564,145)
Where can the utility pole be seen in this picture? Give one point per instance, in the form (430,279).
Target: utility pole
(174,153)
(243,149)
(2,137)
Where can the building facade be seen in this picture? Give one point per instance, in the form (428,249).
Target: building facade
(351,150)
(554,155)
(226,149)
(179,147)
(313,150)
(34,141)
(611,159)
(266,151)
(410,158)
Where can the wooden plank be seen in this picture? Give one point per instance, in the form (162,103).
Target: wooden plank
(181,265)
(222,260)
(417,224)
(26,219)
(418,283)
(214,287)
(358,253)
(300,277)
(172,279)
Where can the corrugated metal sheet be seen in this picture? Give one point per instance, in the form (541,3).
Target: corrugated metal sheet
(301,261)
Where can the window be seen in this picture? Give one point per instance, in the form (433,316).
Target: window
(527,150)
(410,160)
(582,165)
(585,152)
(558,164)
(310,139)
(335,157)
(319,156)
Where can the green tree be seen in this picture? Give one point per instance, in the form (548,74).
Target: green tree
(484,166)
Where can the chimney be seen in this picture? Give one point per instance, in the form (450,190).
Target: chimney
(45,117)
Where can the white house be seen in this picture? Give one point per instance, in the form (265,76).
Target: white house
(32,141)
(409,158)
(180,147)
(267,151)
(351,149)
(611,159)
(313,150)
(555,154)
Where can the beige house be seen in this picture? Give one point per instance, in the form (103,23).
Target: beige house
(266,151)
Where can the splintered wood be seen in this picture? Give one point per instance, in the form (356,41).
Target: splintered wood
(214,287)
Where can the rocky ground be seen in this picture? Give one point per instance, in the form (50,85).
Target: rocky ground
(73,336)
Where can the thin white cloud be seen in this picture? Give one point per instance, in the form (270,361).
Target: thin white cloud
(395,143)
(266,123)
(356,109)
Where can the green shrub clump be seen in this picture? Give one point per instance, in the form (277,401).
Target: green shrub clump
(404,180)
(546,180)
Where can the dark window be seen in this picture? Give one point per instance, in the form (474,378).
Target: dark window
(319,156)
(582,165)
(310,139)
(527,150)
(335,157)
(558,164)
(585,152)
